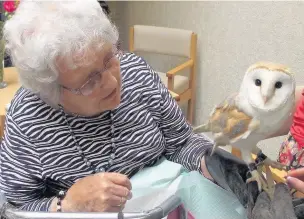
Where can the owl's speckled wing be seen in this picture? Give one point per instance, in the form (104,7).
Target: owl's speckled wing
(228,120)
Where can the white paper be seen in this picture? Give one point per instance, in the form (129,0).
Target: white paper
(151,198)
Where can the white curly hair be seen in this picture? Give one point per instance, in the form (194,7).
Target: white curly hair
(41,31)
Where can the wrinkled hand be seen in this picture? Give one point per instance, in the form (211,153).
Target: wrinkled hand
(281,207)
(102,192)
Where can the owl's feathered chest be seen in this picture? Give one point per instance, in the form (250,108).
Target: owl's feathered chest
(270,121)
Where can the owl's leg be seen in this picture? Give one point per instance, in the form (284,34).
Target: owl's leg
(256,175)
(263,160)
(270,183)
(267,184)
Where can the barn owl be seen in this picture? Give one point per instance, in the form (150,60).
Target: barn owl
(264,102)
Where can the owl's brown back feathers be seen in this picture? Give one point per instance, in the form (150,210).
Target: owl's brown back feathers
(229,120)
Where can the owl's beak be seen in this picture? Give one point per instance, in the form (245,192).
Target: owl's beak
(265,99)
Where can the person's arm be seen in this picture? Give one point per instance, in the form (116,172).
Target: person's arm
(20,171)
(182,144)
(287,124)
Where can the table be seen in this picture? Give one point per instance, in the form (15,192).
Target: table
(7,94)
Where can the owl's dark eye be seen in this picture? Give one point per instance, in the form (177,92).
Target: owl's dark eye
(278,84)
(258,82)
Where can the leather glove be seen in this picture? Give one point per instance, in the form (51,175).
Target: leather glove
(298,204)
(231,173)
(281,207)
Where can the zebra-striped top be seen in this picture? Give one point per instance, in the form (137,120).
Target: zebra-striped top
(39,155)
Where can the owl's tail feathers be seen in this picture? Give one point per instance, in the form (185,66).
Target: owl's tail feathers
(202,128)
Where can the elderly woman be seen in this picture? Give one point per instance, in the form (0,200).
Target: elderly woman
(87,117)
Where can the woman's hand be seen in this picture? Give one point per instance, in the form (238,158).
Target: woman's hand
(102,192)
(295,179)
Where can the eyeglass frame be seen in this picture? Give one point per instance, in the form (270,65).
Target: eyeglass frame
(78,91)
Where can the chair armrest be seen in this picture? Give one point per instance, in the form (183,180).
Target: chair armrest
(2,122)
(174,95)
(173,71)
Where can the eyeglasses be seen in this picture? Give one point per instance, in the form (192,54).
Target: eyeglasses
(88,87)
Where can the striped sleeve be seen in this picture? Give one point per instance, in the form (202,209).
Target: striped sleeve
(20,170)
(182,144)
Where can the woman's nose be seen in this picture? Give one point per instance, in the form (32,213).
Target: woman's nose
(108,81)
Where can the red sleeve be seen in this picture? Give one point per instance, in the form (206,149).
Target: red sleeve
(297,128)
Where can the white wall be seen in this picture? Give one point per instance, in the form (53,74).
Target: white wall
(231,36)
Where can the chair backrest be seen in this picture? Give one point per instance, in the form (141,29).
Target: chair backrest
(162,40)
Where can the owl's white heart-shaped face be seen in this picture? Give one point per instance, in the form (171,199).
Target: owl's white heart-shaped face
(268,90)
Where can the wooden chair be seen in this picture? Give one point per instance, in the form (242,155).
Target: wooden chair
(7,94)
(2,121)
(174,42)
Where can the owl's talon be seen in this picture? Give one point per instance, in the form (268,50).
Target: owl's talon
(263,184)
(255,176)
